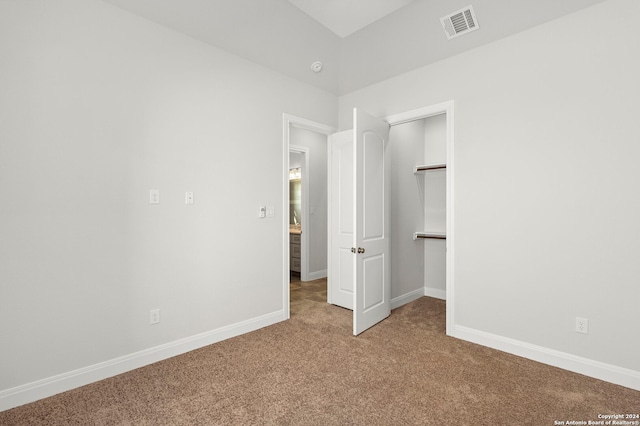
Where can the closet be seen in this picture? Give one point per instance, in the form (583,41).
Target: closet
(390,189)
(418,151)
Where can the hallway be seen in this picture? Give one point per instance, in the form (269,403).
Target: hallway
(306,295)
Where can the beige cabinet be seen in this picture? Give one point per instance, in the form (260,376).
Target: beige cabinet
(294,252)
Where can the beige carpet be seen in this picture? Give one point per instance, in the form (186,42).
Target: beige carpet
(312,371)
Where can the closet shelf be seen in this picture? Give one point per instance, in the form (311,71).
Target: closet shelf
(425,235)
(424,168)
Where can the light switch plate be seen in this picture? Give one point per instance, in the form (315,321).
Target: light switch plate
(188,197)
(154,196)
(262,213)
(154,316)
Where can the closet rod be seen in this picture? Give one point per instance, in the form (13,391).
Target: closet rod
(435,167)
(423,235)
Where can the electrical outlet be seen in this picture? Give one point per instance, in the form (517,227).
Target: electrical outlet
(582,325)
(154,316)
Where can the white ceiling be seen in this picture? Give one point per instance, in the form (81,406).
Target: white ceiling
(345,17)
(284,38)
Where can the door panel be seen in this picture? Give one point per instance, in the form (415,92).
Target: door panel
(345,268)
(373,270)
(373,186)
(344,154)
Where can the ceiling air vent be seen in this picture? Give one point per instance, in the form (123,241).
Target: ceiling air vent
(460,22)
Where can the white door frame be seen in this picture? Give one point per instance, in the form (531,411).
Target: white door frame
(418,114)
(288,121)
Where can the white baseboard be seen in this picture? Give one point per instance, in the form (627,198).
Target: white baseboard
(316,275)
(50,386)
(396,302)
(435,293)
(598,370)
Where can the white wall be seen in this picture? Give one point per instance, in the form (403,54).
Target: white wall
(406,150)
(98,107)
(295,160)
(435,206)
(546,177)
(316,229)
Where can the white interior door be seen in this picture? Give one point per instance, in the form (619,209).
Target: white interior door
(359,261)
(341,260)
(371,224)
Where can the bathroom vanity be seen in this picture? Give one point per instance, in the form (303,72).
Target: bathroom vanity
(294,248)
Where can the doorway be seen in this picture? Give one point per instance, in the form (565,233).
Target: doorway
(305,148)
(298,212)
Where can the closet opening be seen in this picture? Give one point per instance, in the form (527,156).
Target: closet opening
(421,156)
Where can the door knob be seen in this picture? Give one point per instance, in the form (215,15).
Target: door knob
(360,250)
